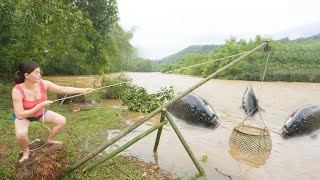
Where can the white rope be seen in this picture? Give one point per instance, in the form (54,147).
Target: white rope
(263,76)
(38,139)
(206,62)
(43,120)
(151,76)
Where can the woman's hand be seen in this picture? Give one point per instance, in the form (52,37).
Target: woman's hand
(45,103)
(88,90)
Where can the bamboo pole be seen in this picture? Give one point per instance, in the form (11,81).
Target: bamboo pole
(185,145)
(153,113)
(120,149)
(155,148)
(156,158)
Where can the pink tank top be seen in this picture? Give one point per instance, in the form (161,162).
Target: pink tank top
(30,104)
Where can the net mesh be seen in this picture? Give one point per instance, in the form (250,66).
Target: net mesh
(250,144)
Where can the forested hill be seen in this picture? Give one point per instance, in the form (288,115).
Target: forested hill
(147,65)
(193,49)
(287,40)
(315,37)
(289,60)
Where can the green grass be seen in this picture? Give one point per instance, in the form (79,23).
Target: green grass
(81,126)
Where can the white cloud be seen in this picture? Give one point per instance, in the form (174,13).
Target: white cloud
(167,26)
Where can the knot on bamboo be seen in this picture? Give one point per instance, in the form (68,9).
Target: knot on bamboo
(47,162)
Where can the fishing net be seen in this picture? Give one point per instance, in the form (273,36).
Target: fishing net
(250,144)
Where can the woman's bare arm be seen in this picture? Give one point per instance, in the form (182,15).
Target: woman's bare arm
(65,89)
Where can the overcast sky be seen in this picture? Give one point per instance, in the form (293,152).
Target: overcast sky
(164,27)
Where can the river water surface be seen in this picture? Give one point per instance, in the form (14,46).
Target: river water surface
(289,159)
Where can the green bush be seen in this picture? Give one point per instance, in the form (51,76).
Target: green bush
(135,97)
(114,92)
(138,99)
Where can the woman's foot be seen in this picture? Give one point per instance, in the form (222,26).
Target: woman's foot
(24,157)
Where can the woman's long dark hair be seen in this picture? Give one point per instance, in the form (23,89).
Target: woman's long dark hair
(24,67)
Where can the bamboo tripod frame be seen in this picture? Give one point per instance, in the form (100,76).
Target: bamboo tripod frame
(158,126)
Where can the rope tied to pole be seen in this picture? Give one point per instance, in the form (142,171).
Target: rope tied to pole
(252,143)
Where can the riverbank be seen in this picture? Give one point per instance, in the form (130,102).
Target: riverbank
(278,99)
(80,137)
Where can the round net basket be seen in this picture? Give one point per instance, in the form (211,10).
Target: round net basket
(250,144)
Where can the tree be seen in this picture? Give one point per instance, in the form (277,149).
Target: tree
(39,30)
(64,37)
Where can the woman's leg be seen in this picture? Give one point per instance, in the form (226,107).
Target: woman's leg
(59,122)
(21,127)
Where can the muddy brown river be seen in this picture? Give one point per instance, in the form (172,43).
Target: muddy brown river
(295,159)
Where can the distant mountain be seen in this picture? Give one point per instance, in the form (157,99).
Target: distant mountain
(301,39)
(317,36)
(298,32)
(194,49)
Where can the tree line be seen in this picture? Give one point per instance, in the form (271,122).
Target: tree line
(64,37)
(289,60)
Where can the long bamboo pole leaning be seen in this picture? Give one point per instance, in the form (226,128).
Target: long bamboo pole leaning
(156,111)
(155,148)
(125,146)
(185,145)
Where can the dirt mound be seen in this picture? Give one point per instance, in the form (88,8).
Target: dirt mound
(45,162)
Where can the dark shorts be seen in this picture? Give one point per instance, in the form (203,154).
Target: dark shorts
(31,118)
